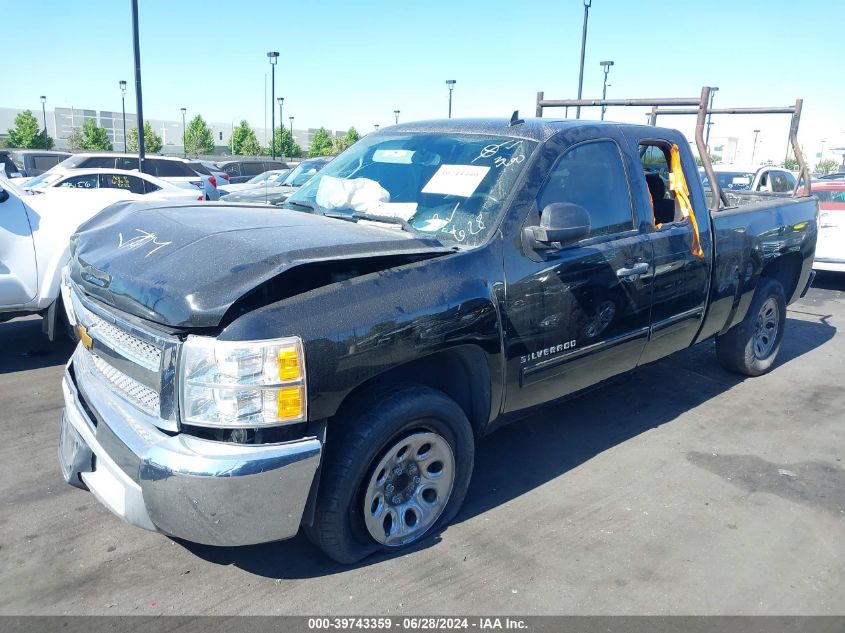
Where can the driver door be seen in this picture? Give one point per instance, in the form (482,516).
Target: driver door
(576,314)
(18,271)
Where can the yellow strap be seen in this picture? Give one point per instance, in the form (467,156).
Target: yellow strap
(678,186)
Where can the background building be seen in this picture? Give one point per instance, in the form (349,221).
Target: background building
(61,121)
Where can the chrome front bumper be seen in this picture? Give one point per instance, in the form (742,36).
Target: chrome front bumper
(202,491)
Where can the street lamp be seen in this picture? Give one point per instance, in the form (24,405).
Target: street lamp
(587,5)
(184,144)
(754,148)
(273,56)
(122,84)
(713,90)
(396,117)
(606,66)
(451,83)
(44,114)
(291,132)
(281,101)
(375,125)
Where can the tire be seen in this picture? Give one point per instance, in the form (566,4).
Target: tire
(360,462)
(751,346)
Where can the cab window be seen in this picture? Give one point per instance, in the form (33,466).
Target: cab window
(592,175)
(655,160)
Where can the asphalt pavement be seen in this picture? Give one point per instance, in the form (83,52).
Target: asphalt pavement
(678,489)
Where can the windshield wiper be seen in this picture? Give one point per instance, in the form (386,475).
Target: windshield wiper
(388,219)
(305,204)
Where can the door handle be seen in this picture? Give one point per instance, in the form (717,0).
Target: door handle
(633,271)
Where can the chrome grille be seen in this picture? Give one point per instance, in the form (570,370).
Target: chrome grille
(129,388)
(127,345)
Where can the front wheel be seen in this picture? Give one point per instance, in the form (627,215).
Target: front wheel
(396,467)
(751,346)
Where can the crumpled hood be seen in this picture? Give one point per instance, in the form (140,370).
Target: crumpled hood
(184,266)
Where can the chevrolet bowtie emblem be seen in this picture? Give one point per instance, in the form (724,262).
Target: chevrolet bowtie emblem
(85,339)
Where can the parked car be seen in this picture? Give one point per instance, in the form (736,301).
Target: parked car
(279,191)
(170,168)
(840,175)
(135,183)
(432,283)
(242,170)
(830,250)
(35,230)
(221,176)
(26,163)
(268,178)
(209,180)
(752,179)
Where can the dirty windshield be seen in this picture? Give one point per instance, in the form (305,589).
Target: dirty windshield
(451,186)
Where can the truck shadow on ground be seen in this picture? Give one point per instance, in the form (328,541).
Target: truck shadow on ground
(549,443)
(23,346)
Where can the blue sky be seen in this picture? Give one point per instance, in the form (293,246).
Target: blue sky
(353,63)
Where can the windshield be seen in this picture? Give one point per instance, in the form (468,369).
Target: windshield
(303,172)
(451,186)
(267,176)
(44,180)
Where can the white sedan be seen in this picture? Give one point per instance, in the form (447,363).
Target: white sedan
(139,185)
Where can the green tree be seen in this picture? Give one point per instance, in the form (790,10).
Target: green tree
(285,146)
(826,166)
(198,137)
(321,143)
(340,143)
(251,146)
(791,164)
(152,141)
(74,140)
(95,137)
(243,141)
(25,132)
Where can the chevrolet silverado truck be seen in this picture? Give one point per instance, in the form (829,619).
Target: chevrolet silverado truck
(244,372)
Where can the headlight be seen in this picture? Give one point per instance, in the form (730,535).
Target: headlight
(237,384)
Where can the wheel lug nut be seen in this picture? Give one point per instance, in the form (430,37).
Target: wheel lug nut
(413,469)
(417,479)
(396,499)
(388,488)
(397,470)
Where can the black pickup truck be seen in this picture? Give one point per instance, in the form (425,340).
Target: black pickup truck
(245,371)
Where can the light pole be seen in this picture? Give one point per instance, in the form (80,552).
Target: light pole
(184,144)
(451,83)
(375,125)
(396,117)
(44,114)
(821,154)
(754,148)
(136,50)
(122,84)
(587,5)
(606,66)
(273,56)
(281,101)
(713,90)
(290,118)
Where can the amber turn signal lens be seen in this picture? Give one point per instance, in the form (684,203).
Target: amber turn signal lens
(289,401)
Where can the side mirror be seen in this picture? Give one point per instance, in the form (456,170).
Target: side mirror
(4,195)
(561,222)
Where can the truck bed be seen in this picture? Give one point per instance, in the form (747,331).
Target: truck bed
(749,241)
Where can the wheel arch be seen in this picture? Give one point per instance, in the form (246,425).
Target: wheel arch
(461,372)
(787,270)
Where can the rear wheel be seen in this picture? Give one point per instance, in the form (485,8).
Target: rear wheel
(396,468)
(752,346)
